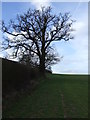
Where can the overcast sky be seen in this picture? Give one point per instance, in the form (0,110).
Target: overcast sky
(74,52)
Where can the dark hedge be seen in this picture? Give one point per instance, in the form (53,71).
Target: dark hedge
(16,76)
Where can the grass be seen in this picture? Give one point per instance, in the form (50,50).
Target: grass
(58,96)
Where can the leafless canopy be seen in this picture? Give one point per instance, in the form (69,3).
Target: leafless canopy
(33,32)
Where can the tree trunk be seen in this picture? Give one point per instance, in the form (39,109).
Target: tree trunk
(42,58)
(42,65)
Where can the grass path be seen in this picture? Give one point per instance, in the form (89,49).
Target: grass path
(60,96)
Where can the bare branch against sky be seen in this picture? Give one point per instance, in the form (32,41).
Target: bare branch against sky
(75,52)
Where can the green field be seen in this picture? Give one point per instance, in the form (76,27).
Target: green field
(58,96)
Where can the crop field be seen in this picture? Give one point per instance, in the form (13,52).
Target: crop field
(57,96)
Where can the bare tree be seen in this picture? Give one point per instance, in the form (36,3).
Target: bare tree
(34,31)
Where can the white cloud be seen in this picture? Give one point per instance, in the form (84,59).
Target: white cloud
(39,3)
(78,26)
(14,38)
(78,61)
